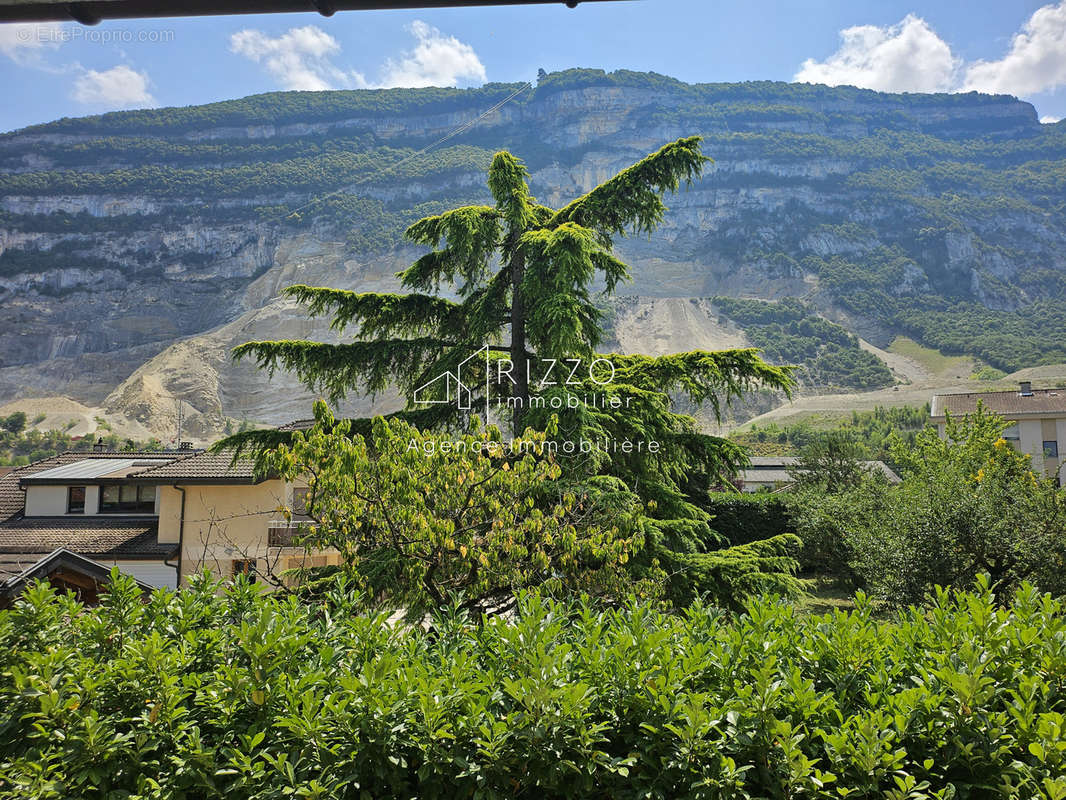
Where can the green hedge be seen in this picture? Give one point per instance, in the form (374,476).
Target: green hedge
(748,518)
(234,696)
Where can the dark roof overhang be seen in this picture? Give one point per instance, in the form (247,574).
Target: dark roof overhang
(91,12)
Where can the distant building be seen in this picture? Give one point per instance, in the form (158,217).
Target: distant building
(774,473)
(1037,420)
(158,516)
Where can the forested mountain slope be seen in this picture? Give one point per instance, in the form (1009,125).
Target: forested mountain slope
(137,247)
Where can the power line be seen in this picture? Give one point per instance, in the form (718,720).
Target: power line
(457,131)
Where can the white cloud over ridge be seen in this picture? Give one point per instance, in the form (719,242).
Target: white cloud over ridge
(911,57)
(298,59)
(1035,62)
(906,57)
(118,87)
(303,58)
(436,60)
(25,42)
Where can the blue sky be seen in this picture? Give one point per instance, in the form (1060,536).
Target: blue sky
(1016,47)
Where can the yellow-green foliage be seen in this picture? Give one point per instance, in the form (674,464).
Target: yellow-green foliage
(424,520)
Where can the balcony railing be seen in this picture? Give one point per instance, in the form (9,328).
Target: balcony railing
(282,533)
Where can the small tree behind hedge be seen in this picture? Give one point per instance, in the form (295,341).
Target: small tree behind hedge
(428,520)
(969,504)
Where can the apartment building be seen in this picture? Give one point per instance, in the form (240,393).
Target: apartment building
(1037,420)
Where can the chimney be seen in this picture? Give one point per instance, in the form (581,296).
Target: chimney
(1026,388)
(185,446)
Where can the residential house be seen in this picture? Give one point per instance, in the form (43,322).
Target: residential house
(82,502)
(775,473)
(158,516)
(1036,417)
(223,517)
(66,571)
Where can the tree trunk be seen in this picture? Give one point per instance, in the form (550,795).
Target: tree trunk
(520,390)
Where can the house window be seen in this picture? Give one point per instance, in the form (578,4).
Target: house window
(244,566)
(1012,433)
(299,500)
(75,499)
(127,500)
(1051,449)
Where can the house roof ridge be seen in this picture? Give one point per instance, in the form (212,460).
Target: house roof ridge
(1000,391)
(183,455)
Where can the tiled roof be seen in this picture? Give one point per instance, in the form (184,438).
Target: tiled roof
(775,469)
(297,425)
(16,573)
(766,476)
(1012,403)
(94,537)
(201,468)
(13,499)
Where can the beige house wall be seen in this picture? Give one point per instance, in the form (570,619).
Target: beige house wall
(230,522)
(1032,435)
(46,501)
(223,523)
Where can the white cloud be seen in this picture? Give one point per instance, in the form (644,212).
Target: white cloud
(906,57)
(298,59)
(1049,120)
(1035,62)
(911,57)
(25,42)
(118,87)
(303,58)
(436,60)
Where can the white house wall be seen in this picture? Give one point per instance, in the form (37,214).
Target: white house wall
(92,500)
(154,573)
(1060,435)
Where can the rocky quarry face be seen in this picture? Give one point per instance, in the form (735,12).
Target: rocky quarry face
(138,248)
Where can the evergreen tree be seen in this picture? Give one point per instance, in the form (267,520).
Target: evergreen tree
(523,276)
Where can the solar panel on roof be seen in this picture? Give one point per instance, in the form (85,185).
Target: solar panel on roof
(84,469)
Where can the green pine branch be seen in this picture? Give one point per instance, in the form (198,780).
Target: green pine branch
(633,197)
(381,315)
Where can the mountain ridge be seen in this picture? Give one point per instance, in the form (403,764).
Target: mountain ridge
(125,235)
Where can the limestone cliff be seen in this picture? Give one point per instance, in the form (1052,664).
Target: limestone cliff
(136,248)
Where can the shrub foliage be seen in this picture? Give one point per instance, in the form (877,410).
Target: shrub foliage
(237,695)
